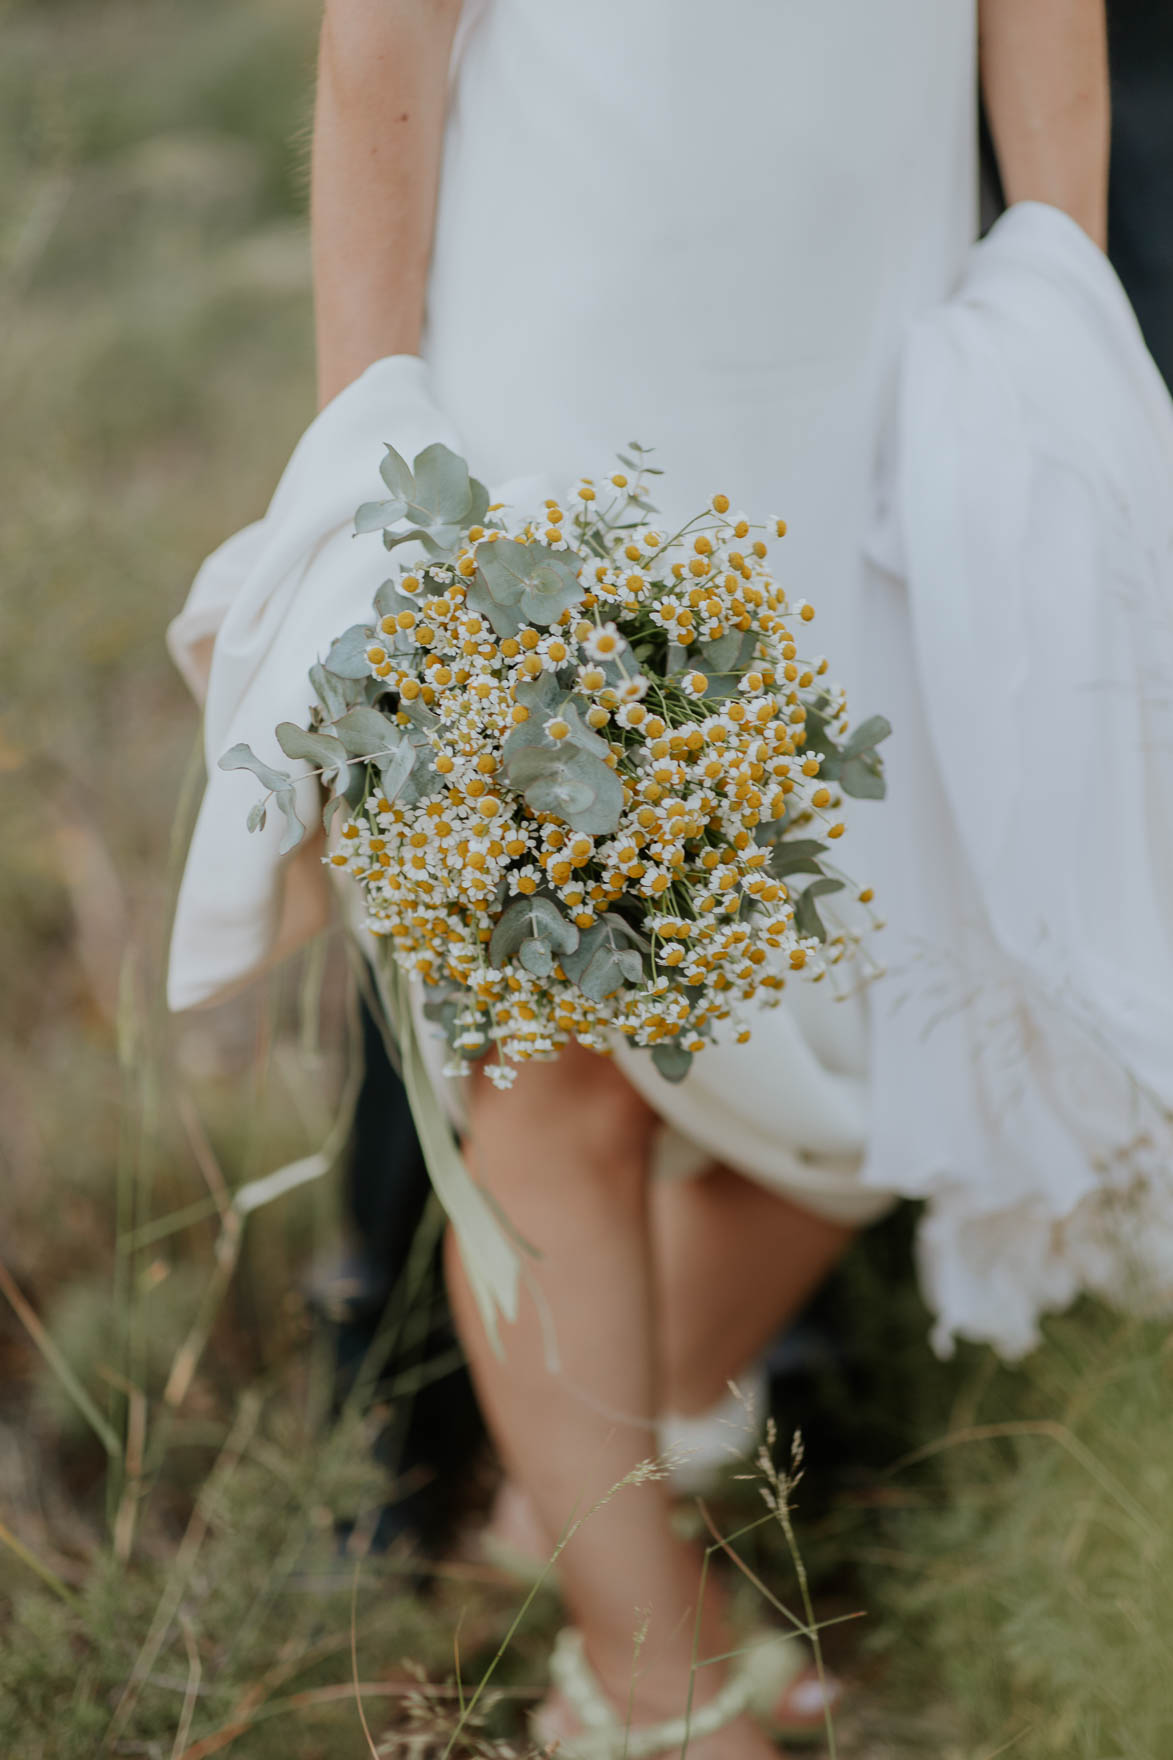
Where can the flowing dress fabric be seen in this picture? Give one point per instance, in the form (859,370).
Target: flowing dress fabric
(1022,1074)
(705,229)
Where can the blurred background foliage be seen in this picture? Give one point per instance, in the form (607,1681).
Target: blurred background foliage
(1007,1532)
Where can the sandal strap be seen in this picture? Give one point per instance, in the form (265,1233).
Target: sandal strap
(607,1737)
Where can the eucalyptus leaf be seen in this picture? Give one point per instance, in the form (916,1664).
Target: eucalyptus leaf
(531,919)
(419,714)
(806,915)
(335,694)
(863,778)
(609,968)
(721,685)
(796,855)
(355,791)
(388,599)
(394,771)
(532,733)
(867,736)
(531,580)
(280,784)
(783,866)
(536,957)
(505,619)
(368,733)
(348,655)
(257,816)
(604,959)
(731,652)
(392,540)
(373,694)
(442,494)
(373,516)
(396,473)
(539,693)
(575,962)
(607,972)
(772,831)
(320,749)
(478,504)
(582,736)
(294,829)
(242,757)
(575,786)
(441,541)
(672,1060)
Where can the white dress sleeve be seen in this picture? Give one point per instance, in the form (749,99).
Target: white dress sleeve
(264,607)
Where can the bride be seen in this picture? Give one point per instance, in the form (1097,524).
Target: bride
(708,227)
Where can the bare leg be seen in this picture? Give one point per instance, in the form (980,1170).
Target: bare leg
(734,1262)
(565,1152)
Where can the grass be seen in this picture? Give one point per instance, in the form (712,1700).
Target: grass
(168,1488)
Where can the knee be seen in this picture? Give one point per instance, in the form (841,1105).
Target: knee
(578,1107)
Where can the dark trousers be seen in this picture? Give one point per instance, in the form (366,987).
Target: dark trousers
(1140,222)
(399,1339)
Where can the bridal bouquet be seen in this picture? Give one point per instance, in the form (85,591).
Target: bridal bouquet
(580,768)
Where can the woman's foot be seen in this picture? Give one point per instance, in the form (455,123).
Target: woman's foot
(742,1739)
(514,1542)
(647,1709)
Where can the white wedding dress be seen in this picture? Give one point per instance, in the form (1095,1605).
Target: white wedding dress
(714,230)
(704,229)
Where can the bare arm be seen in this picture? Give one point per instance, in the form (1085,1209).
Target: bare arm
(378,137)
(1045,79)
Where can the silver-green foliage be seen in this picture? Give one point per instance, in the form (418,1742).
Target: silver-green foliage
(435,496)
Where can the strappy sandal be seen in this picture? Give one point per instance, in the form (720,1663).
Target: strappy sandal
(758,1678)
